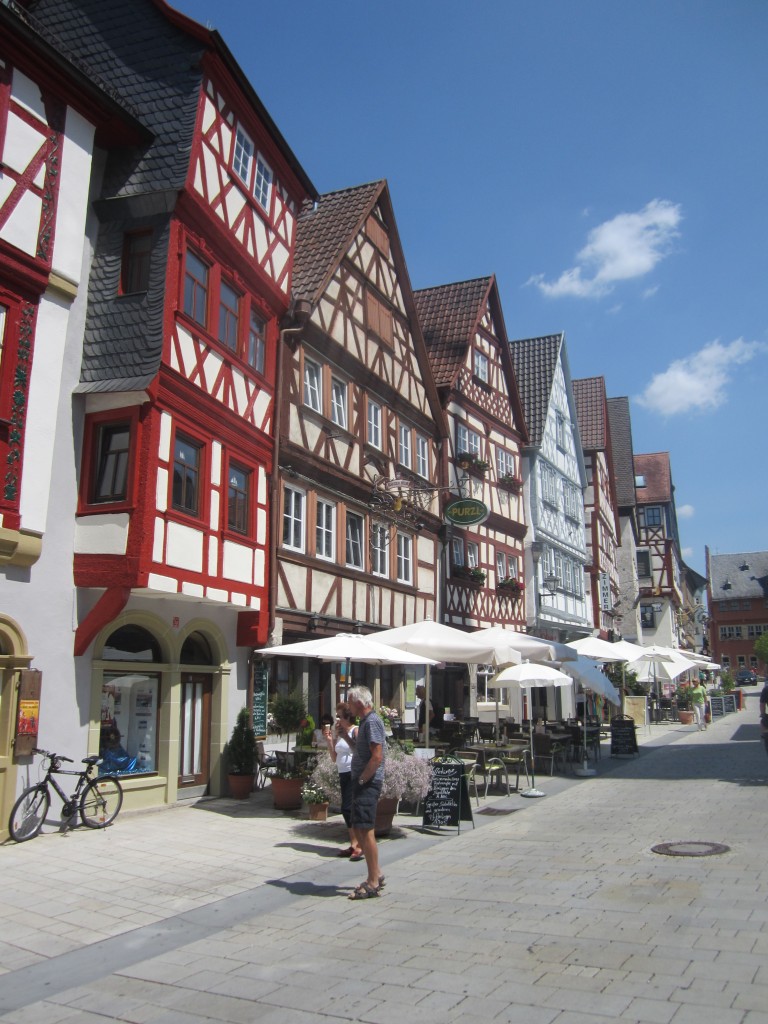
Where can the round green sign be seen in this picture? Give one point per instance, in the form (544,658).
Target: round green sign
(466,512)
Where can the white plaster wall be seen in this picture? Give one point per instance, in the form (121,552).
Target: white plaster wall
(75,175)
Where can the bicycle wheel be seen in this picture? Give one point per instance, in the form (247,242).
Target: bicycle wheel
(29,813)
(101,802)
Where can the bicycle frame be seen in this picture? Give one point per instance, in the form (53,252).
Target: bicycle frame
(70,802)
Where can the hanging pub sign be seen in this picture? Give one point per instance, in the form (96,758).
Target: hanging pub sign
(27,712)
(466,512)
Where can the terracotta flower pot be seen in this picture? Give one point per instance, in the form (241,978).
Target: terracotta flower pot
(286,794)
(318,812)
(385,815)
(685,717)
(240,786)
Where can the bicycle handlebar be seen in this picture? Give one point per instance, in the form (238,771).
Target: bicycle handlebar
(52,756)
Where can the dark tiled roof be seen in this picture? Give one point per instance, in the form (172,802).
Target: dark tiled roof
(448,315)
(621,451)
(746,572)
(658,478)
(324,232)
(589,394)
(535,362)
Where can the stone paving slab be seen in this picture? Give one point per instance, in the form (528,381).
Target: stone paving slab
(558,913)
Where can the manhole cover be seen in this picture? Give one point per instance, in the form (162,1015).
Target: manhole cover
(497,810)
(692,849)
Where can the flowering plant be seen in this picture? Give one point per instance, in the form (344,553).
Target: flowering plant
(313,794)
(325,778)
(406,777)
(387,714)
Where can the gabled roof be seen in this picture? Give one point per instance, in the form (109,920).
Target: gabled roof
(324,232)
(743,575)
(535,362)
(589,393)
(622,452)
(656,470)
(449,314)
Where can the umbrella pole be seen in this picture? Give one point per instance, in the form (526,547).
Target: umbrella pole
(532,792)
(427,698)
(585,771)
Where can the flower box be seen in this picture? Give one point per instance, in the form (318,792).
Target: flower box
(475,576)
(511,585)
(472,464)
(510,482)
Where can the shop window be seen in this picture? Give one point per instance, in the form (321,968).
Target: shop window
(130,703)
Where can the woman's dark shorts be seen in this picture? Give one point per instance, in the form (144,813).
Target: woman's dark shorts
(345,781)
(364,800)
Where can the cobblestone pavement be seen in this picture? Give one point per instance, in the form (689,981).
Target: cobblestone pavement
(549,911)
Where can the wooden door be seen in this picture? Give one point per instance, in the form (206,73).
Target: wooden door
(195,729)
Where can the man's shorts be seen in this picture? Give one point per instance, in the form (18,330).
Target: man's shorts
(364,800)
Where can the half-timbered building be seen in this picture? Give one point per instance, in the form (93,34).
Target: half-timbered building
(558,604)
(360,429)
(52,121)
(627,606)
(174,411)
(658,550)
(483,581)
(600,508)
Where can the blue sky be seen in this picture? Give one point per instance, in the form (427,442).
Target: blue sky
(606,160)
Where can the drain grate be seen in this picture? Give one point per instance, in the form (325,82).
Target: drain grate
(690,849)
(498,810)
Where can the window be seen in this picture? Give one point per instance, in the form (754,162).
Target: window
(506,566)
(652,515)
(186,476)
(374,424)
(404,448)
(262,186)
(112,451)
(134,270)
(643,563)
(229,316)
(312,385)
(128,742)
(422,456)
(379,318)
(473,555)
(293,519)
(549,484)
(505,463)
(457,553)
(238,495)
(325,531)
(467,440)
(354,540)
(404,558)
(256,342)
(730,633)
(562,440)
(379,545)
(196,288)
(647,616)
(242,156)
(481,366)
(573,500)
(339,402)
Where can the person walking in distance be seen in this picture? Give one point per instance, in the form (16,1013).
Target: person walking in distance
(699,702)
(369,752)
(764,715)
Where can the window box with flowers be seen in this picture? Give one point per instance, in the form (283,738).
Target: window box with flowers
(475,575)
(510,482)
(472,464)
(511,585)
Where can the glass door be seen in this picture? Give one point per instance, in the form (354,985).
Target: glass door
(195,730)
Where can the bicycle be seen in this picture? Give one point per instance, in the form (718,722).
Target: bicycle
(97,799)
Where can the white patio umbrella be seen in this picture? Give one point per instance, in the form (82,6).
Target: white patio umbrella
(586,672)
(511,646)
(436,640)
(671,668)
(599,650)
(525,676)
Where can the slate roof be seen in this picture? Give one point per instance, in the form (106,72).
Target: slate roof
(622,452)
(535,362)
(323,234)
(448,315)
(589,394)
(746,572)
(658,478)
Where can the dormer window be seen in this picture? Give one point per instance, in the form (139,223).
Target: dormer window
(640,480)
(481,366)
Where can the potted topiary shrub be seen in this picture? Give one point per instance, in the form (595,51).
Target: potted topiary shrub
(240,756)
(290,715)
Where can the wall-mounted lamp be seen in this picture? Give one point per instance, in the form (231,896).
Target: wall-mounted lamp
(314,621)
(551,582)
(537,549)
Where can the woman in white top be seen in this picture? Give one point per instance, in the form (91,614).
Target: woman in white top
(340,748)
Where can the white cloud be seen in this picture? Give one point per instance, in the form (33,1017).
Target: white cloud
(698,382)
(685,511)
(687,552)
(621,249)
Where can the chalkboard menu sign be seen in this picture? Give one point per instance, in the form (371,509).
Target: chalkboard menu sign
(260,690)
(729,703)
(716,707)
(623,737)
(447,802)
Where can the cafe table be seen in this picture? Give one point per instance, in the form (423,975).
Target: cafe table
(512,754)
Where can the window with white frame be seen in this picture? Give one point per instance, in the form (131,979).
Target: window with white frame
(643,556)
(422,456)
(467,440)
(404,558)
(647,616)
(404,456)
(481,366)
(457,553)
(549,484)
(562,437)
(354,539)
(505,463)
(374,424)
(294,503)
(473,554)
(573,503)
(379,549)
(325,530)
(256,345)
(339,402)
(262,185)
(506,566)
(242,156)
(312,385)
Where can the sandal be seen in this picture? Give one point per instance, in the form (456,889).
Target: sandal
(346,853)
(364,892)
(358,855)
(382,881)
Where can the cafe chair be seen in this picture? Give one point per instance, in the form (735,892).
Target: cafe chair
(494,773)
(486,731)
(469,760)
(517,761)
(545,749)
(266,765)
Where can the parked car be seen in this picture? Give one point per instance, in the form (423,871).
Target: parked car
(746,677)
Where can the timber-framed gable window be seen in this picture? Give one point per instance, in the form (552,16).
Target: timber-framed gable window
(404,449)
(325,530)
(458,559)
(650,516)
(467,440)
(187,475)
(339,402)
(226,312)
(573,501)
(355,528)
(506,566)
(294,513)
(135,263)
(262,186)
(480,366)
(404,558)
(379,317)
(422,456)
(108,447)
(505,463)
(325,392)
(379,549)
(251,168)
(561,434)
(643,556)
(374,424)
(312,385)
(239,499)
(550,484)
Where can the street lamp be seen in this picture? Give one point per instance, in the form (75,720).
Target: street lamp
(551,582)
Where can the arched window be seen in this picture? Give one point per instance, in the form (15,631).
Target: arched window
(131,643)
(130,703)
(196,650)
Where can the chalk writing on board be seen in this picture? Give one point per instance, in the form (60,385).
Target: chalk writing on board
(260,691)
(447,802)
(623,737)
